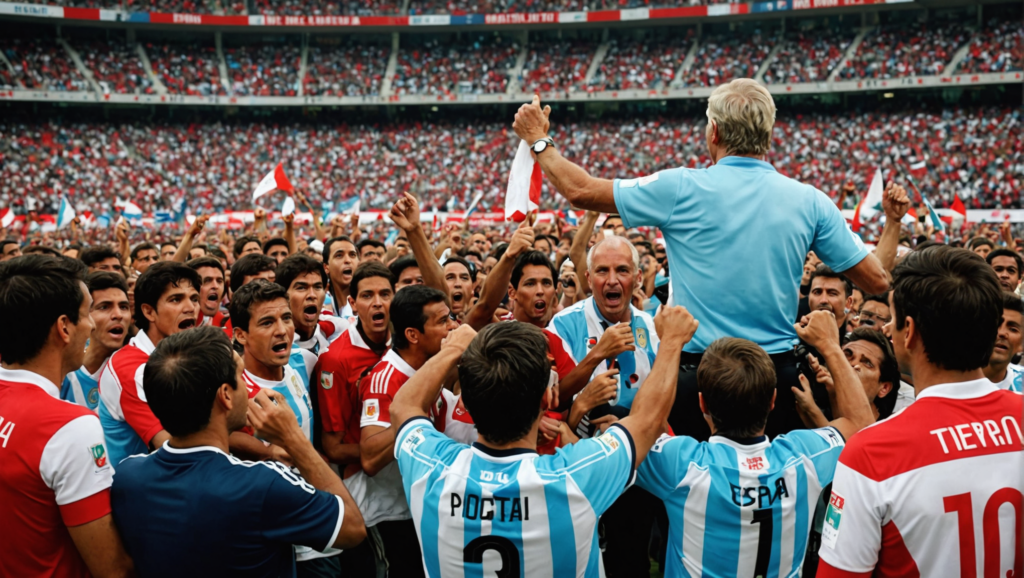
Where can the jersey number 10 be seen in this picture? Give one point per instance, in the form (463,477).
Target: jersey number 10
(962,505)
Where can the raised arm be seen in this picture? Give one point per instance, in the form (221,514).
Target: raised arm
(496,285)
(820,331)
(578,251)
(406,214)
(418,395)
(181,255)
(314,216)
(571,181)
(651,406)
(895,203)
(121,232)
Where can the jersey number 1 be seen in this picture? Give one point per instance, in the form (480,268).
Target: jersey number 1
(764,541)
(964,508)
(474,554)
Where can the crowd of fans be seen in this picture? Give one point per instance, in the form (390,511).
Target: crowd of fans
(263,70)
(116,66)
(975,153)
(190,70)
(478,66)
(639,64)
(721,58)
(808,56)
(347,70)
(556,66)
(896,51)
(41,64)
(999,47)
(338,8)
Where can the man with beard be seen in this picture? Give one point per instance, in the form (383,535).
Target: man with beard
(166,302)
(999,370)
(111,315)
(421,320)
(1008,266)
(211,293)
(832,292)
(340,262)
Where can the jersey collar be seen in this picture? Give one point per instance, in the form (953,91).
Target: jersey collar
(197,449)
(745,444)
(506,455)
(398,363)
(143,342)
(962,390)
(25,376)
(266,383)
(745,163)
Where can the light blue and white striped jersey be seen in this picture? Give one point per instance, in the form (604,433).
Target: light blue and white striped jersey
(481,512)
(302,361)
(1014,380)
(738,509)
(293,390)
(581,325)
(82,387)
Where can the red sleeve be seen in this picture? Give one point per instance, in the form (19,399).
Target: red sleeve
(827,571)
(563,361)
(330,378)
(87,509)
(376,392)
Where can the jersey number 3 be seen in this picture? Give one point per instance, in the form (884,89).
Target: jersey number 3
(474,554)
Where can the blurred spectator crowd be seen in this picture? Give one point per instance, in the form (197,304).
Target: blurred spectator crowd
(637,64)
(897,51)
(721,58)
(443,68)
(999,47)
(556,66)
(347,70)
(808,56)
(976,153)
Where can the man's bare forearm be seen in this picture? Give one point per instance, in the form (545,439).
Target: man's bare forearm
(887,244)
(850,400)
(575,184)
(430,268)
(578,251)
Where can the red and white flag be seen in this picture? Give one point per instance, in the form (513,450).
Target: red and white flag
(276,180)
(523,194)
(918,169)
(6,217)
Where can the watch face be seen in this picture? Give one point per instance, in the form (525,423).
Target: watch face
(540,146)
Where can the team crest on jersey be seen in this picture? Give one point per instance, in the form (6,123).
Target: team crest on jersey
(658,445)
(641,338)
(609,440)
(833,516)
(756,463)
(371,408)
(326,379)
(99,455)
(412,440)
(93,397)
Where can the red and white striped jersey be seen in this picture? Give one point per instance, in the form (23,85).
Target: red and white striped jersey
(54,473)
(378,389)
(935,490)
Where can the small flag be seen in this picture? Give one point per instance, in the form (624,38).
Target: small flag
(570,218)
(472,206)
(87,218)
(275,180)
(524,180)
(6,217)
(918,169)
(288,207)
(164,217)
(66,214)
(936,220)
(130,210)
(349,205)
(958,207)
(392,237)
(871,204)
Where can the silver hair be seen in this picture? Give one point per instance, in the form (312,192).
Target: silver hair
(745,113)
(632,251)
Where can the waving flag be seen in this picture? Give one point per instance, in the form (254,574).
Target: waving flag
(348,206)
(164,217)
(288,207)
(871,204)
(570,218)
(66,214)
(523,194)
(958,207)
(918,169)
(87,218)
(472,206)
(275,180)
(6,217)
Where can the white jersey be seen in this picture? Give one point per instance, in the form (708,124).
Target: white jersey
(932,491)
(1014,380)
(294,389)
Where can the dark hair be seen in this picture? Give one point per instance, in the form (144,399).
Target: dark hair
(978,241)
(1013,302)
(144,246)
(35,290)
(75,246)
(645,244)
(155,280)
(924,245)
(469,266)
(504,373)
(258,291)
(531,258)
(888,371)
(41,250)
(882,298)
(168,244)
(368,270)
(368,243)
(1006,253)
(251,264)
(241,242)
(97,253)
(274,243)
(100,280)
(203,246)
(200,262)
(216,252)
(737,379)
(399,265)
(407,311)
(326,253)
(295,266)
(498,251)
(183,375)
(956,303)
(827,273)
(5,242)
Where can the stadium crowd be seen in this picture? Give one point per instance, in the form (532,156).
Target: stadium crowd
(709,370)
(721,58)
(639,64)
(190,70)
(808,57)
(263,69)
(999,47)
(348,70)
(41,64)
(556,66)
(478,66)
(897,51)
(115,66)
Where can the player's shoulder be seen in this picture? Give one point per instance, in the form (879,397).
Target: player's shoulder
(588,454)
(804,441)
(128,358)
(340,350)
(662,177)
(575,309)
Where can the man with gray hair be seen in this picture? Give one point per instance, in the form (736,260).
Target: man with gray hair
(736,234)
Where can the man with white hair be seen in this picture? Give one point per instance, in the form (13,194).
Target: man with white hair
(736,234)
(605,331)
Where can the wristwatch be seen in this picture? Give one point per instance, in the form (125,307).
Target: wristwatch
(541,145)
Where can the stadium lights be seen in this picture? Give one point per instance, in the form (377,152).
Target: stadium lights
(888,95)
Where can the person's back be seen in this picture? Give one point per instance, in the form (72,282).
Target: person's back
(745,507)
(537,515)
(206,488)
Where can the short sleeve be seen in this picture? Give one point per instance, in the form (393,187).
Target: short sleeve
(420,449)
(136,409)
(821,446)
(74,464)
(647,201)
(564,362)
(602,467)
(375,397)
(665,465)
(295,512)
(852,532)
(834,242)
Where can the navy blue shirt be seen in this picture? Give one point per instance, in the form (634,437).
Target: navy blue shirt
(201,512)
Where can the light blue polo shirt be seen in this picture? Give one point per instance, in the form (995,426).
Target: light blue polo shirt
(736,235)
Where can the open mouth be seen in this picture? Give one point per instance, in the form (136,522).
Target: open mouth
(1001,347)
(613,297)
(377,318)
(457,297)
(279,347)
(346,272)
(186,324)
(310,312)
(117,331)
(213,298)
(539,306)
